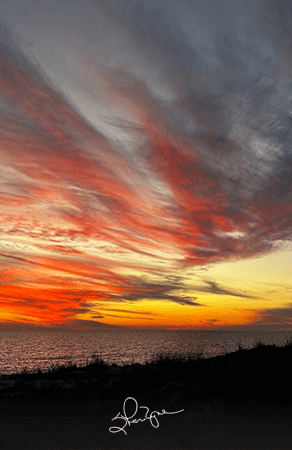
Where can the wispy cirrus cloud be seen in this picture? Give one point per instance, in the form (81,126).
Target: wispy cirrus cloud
(191,166)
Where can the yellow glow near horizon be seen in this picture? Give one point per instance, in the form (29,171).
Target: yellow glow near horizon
(255,278)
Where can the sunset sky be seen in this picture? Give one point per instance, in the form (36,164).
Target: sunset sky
(146,164)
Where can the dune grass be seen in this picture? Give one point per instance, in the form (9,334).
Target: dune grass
(264,371)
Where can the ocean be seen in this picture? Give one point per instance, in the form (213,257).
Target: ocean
(44,349)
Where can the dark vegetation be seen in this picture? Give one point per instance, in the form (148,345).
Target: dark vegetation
(263,373)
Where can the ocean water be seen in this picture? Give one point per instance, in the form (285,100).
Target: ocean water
(42,349)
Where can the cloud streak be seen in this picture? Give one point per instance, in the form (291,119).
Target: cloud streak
(193,165)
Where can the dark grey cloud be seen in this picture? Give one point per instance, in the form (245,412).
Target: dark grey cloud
(140,313)
(31,302)
(75,310)
(214,288)
(234,105)
(208,321)
(278,315)
(158,32)
(165,290)
(124,317)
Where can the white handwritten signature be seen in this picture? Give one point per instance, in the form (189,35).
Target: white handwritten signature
(152,417)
